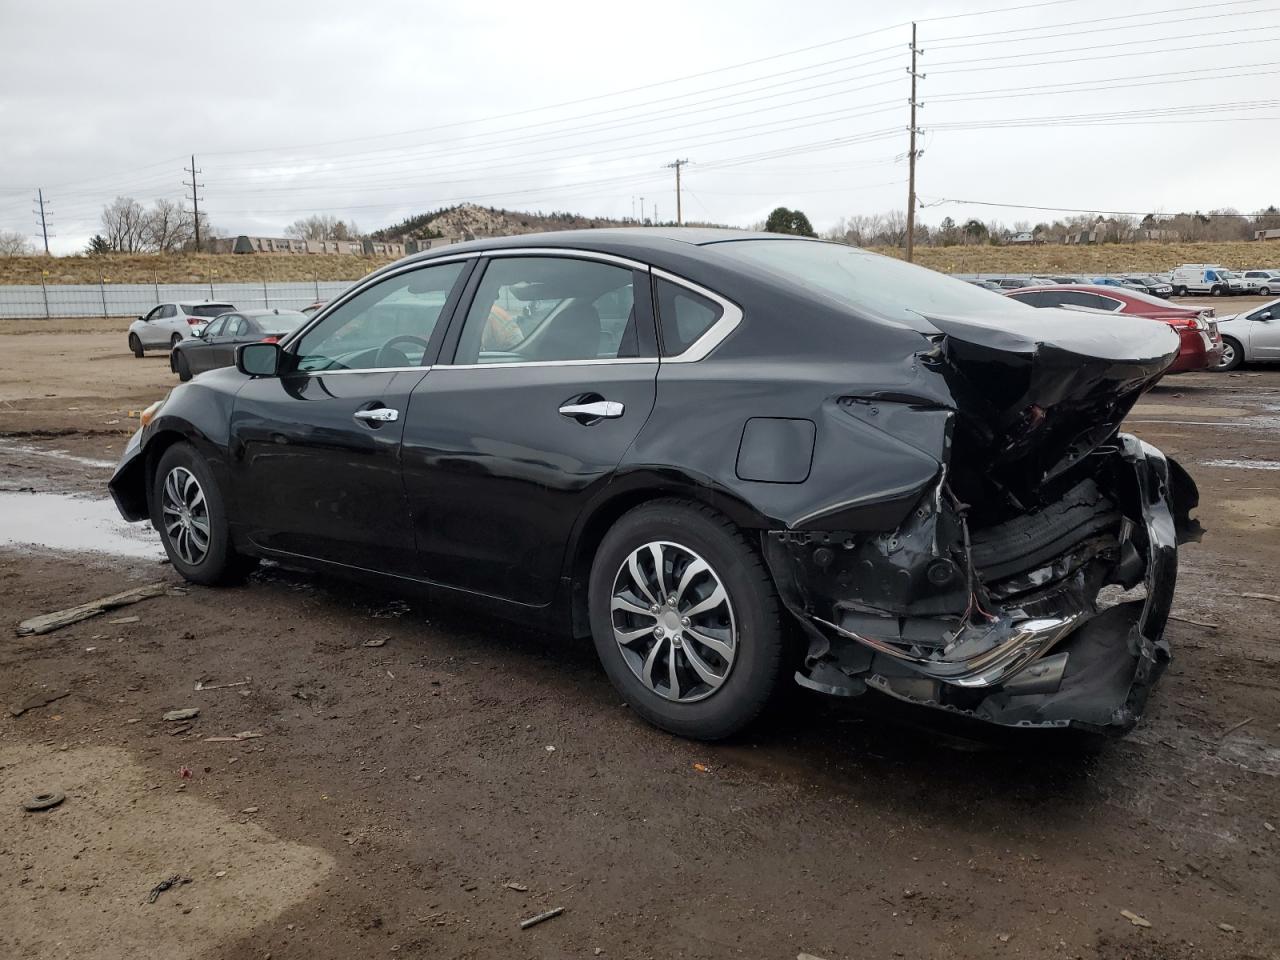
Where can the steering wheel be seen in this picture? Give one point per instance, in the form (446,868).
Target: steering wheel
(389,356)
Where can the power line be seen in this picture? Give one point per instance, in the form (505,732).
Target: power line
(1113,213)
(1103,83)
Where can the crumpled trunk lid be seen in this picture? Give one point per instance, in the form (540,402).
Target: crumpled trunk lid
(1038,391)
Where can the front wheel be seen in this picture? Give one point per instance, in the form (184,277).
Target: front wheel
(686,619)
(1216,291)
(135,344)
(1232,355)
(1179,291)
(175,340)
(188,509)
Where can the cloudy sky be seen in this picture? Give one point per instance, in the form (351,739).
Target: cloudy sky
(375,111)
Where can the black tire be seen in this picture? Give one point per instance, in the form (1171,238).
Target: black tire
(758,663)
(135,345)
(175,340)
(1216,291)
(1179,291)
(218,563)
(1233,355)
(180,366)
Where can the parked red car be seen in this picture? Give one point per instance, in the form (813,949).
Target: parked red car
(1201,342)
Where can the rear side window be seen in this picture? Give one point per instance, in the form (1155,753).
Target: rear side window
(167,311)
(1041,299)
(205,309)
(683,315)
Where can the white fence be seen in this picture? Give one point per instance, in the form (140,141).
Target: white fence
(135,299)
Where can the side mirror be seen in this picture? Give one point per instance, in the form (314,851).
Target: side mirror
(142,318)
(1264,315)
(259,359)
(197,331)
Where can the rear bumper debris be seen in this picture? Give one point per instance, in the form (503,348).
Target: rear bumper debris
(1004,625)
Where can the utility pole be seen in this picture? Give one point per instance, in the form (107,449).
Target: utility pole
(44,223)
(195,197)
(642,209)
(912,154)
(679,209)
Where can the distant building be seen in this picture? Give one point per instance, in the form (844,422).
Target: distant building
(365,247)
(1266,234)
(1025,238)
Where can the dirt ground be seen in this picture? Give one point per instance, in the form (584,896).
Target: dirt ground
(403,799)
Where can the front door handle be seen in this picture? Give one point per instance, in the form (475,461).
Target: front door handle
(378,415)
(599,410)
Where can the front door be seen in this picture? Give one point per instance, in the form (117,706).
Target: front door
(199,351)
(1264,334)
(316,451)
(552,377)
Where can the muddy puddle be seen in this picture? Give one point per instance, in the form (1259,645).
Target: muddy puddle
(55,521)
(1245,464)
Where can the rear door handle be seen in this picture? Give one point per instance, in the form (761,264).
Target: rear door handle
(599,410)
(378,415)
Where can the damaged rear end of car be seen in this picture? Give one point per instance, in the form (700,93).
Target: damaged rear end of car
(1018,563)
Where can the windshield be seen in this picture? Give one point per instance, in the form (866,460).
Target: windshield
(881,285)
(205,309)
(1228,275)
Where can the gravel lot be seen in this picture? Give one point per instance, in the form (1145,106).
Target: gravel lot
(404,799)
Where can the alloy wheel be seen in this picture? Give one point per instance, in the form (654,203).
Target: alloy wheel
(1228,354)
(185,515)
(673,622)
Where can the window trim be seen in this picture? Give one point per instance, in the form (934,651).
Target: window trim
(563,253)
(714,335)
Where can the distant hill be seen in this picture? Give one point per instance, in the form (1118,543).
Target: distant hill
(468,220)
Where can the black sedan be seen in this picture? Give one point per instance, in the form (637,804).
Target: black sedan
(729,458)
(214,345)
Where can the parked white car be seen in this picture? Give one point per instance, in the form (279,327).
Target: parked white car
(1268,280)
(1252,336)
(170,323)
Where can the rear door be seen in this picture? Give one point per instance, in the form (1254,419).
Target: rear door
(543,384)
(1264,334)
(316,451)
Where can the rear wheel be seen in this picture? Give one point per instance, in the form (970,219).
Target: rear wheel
(135,344)
(686,619)
(181,367)
(1179,291)
(1232,354)
(188,509)
(1265,291)
(175,340)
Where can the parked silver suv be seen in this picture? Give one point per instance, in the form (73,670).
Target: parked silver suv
(170,323)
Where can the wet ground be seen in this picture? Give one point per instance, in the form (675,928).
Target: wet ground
(370,777)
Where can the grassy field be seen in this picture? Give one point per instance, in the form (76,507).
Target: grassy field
(198,268)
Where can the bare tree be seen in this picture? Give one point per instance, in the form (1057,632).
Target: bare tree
(168,226)
(13,244)
(320,226)
(124,225)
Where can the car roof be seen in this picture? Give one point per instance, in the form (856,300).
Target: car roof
(274,311)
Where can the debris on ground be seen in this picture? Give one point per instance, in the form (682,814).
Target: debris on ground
(249,810)
(1262,596)
(376,641)
(38,700)
(43,801)
(186,713)
(175,881)
(1194,622)
(1226,928)
(534,921)
(236,738)
(61,618)
(1270,828)
(396,608)
(702,768)
(125,620)
(1234,727)
(201,685)
(1136,920)
(517,887)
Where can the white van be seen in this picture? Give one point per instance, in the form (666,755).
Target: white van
(1211,278)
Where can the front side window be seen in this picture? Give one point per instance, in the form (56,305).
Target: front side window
(683,315)
(214,329)
(542,309)
(236,325)
(388,324)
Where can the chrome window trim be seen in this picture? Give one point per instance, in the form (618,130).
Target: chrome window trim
(361,285)
(567,252)
(516,365)
(343,373)
(730,317)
